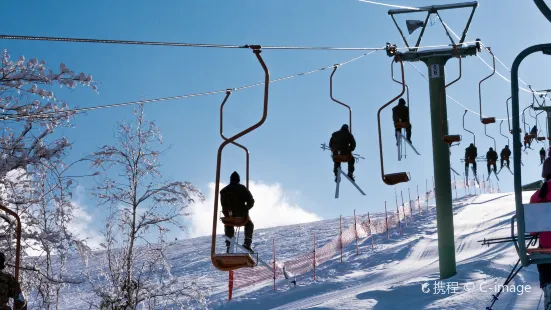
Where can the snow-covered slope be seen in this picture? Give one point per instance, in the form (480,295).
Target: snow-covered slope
(388,276)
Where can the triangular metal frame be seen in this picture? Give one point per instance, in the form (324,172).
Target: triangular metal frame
(434,10)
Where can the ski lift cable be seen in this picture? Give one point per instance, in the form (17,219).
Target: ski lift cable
(179,44)
(80,110)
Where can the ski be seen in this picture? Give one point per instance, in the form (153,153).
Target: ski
(349,179)
(454,171)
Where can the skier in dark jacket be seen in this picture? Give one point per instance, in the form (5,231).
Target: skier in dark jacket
(542,154)
(534,131)
(342,142)
(235,197)
(505,154)
(470,157)
(400,114)
(10,288)
(491,158)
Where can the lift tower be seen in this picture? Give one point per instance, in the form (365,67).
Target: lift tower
(436,59)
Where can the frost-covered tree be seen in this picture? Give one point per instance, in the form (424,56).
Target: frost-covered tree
(30,111)
(29,159)
(132,270)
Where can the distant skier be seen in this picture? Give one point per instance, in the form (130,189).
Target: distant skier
(238,200)
(540,196)
(542,154)
(534,131)
(10,288)
(342,142)
(491,158)
(470,157)
(400,114)
(505,154)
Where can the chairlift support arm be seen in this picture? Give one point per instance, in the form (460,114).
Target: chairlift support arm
(399,175)
(486,120)
(228,93)
(335,67)
(256,50)
(474,136)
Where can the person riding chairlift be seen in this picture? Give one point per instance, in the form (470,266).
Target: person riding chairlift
(505,154)
(400,114)
(491,158)
(542,154)
(342,142)
(470,156)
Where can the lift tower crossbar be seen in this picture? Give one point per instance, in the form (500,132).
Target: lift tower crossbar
(435,60)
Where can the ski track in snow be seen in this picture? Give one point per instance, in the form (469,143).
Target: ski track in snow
(389,276)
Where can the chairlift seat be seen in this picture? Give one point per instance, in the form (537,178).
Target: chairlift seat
(401,125)
(538,250)
(488,120)
(342,158)
(541,138)
(532,136)
(395,178)
(234,221)
(449,139)
(228,262)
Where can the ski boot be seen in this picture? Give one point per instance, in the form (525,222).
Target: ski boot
(248,248)
(351,176)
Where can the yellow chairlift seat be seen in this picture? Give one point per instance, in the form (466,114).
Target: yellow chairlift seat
(449,139)
(395,178)
(488,120)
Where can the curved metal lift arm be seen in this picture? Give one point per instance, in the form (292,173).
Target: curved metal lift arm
(506,137)
(228,93)
(256,51)
(332,98)
(486,120)
(474,136)
(394,178)
(449,139)
(546,49)
(18,239)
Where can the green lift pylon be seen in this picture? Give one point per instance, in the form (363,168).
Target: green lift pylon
(436,59)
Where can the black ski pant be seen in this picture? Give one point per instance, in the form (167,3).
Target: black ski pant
(545,274)
(351,168)
(467,166)
(229,231)
(408,132)
(492,164)
(505,160)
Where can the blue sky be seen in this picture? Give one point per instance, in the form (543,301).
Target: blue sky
(285,150)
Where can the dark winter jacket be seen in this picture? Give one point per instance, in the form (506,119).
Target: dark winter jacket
(9,288)
(343,141)
(236,198)
(400,112)
(471,152)
(506,152)
(534,130)
(542,153)
(491,155)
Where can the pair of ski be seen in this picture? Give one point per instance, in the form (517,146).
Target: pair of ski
(467,178)
(235,244)
(507,169)
(399,139)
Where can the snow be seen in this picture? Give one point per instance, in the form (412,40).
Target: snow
(388,276)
